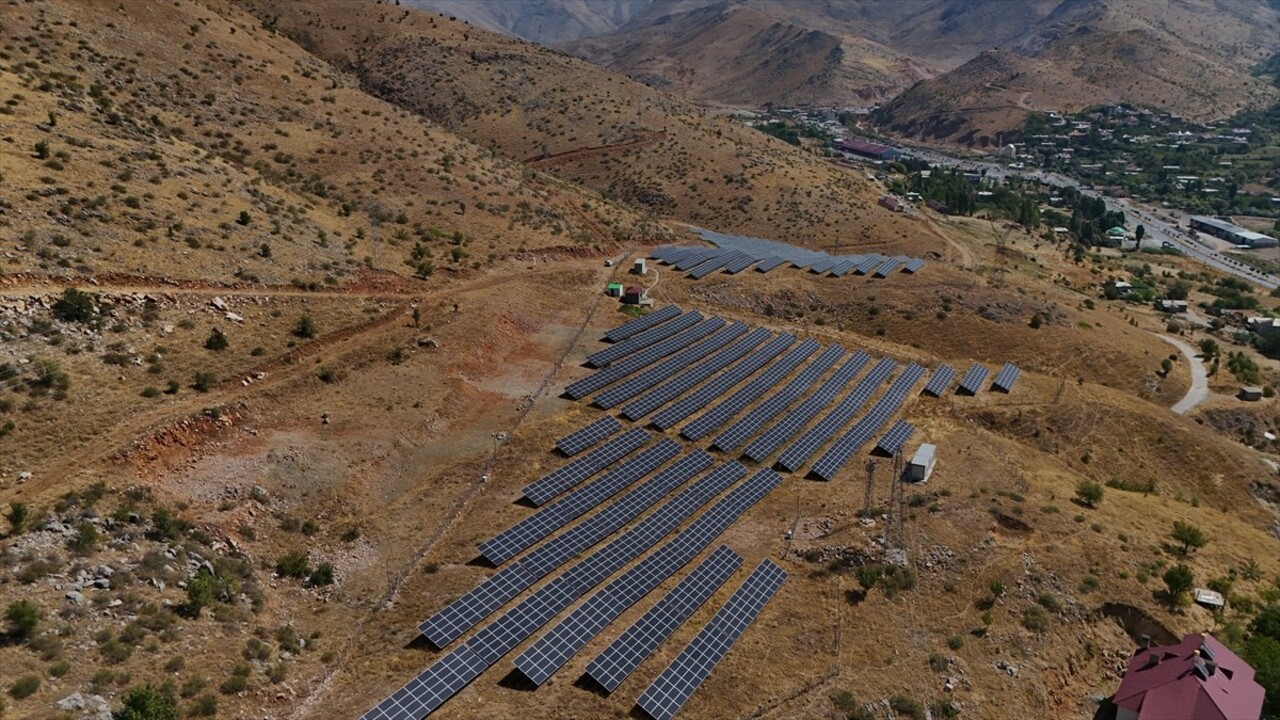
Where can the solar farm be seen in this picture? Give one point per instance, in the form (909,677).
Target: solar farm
(699,419)
(736,253)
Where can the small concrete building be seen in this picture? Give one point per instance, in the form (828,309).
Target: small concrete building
(921,466)
(1251,393)
(633,295)
(1173,306)
(613,290)
(1208,598)
(639,267)
(890,202)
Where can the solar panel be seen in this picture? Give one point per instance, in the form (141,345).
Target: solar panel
(824,265)
(611,667)
(713,264)
(892,441)
(672,689)
(845,266)
(428,691)
(694,259)
(499,637)
(646,379)
(842,449)
(643,339)
(687,380)
(463,614)
(555,648)
(721,384)
(868,264)
(844,411)
(542,523)
(579,469)
(732,405)
(588,435)
(913,266)
(887,267)
(632,327)
(773,438)
(643,358)
(742,263)
(972,381)
(940,380)
(770,263)
(1007,376)
(738,432)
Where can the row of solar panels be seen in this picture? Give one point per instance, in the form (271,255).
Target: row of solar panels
(771,254)
(700,262)
(663,698)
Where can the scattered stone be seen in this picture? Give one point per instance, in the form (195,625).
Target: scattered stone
(219,304)
(76,597)
(428,342)
(167,329)
(234,317)
(24,476)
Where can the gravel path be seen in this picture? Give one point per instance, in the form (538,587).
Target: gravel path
(1199,390)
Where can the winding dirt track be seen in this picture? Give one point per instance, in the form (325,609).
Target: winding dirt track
(1199,390)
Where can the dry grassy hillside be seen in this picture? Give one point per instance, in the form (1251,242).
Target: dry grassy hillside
(629,142)
(223,153)
(738,55)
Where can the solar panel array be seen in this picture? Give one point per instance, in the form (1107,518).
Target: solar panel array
(588,435)
(842,449)
(643,358)
(689,378)
(634,646)
(844,411)
(539,525)
(773,438)
(749,393)
(429,690)
(898,434)
(738,432)
(465,612)
(735,253)
(644,339)
(555,648)
(1007,376)
(632,327)
(673,688)
(972,381)
(722,382)
(579,469)
(649,377)
(940,380)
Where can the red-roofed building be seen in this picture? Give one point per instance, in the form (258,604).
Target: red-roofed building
(866,149)
(1197,679)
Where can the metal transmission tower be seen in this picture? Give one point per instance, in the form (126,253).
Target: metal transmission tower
(894,533)
(871,489)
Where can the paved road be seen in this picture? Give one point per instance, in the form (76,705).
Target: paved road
(1199,390)
(1158,229)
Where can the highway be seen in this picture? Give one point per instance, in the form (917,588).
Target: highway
(1158,229)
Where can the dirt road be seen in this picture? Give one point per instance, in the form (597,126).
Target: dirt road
(1199,390)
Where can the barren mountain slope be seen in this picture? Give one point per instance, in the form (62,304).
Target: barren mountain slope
(735,54)
(629,142)
(187,152)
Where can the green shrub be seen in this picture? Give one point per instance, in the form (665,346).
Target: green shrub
(234,684)
(24,686)
(23,617)
(938,663)
(1035,619)
(147,703)
(293,564)
(60,668)
(305,328)
(203,381)
(907,706)
(322,575)
(74,306)
(86,539)
(206,706)
(955,642)
(216,341)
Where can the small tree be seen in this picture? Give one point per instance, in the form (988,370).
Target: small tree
(1166,366)
(1190,536)
(42,150)
(1140,232)
(1037,320)
(147,703)
(203,381)
(17,517)
(1089,493)
(85,541)
(1178,579)
(243,218)
(306,327)
(293,564)
(23,617)
(200,592)
(74,306)
(216,341)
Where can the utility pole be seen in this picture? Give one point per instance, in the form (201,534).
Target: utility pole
(870,492)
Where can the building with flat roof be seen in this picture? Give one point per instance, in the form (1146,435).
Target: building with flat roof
(1231,232)
(865,149)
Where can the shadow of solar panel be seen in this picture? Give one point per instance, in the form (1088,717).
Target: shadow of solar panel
(735,403)
(862,431)
(579,469)
(646,379)
(773,438)
(673,688)
(642,340)
(611,667)
(690,378)
(643,358)
(567,638)
(892,441)
(1007,376)
(516,625)
(587,435)
(640,324)
(972,381)
(940,381)
(722,383)
(427,692)
(737,433)
(542,523)
(818,435)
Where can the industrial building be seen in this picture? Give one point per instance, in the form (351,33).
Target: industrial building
(1231,232)
(862,148)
